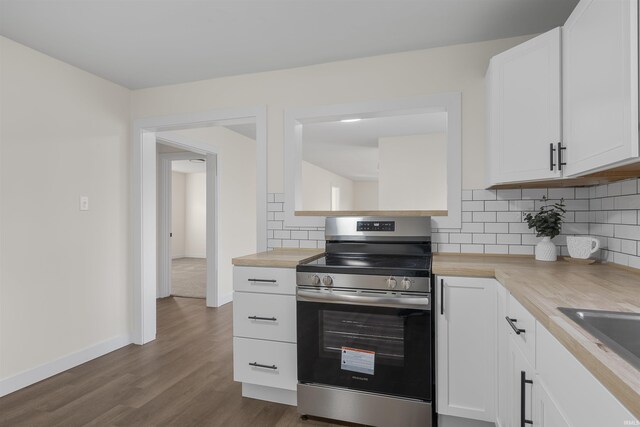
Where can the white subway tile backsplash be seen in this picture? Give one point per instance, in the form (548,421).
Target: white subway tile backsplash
(484,238)
(496,249)
(484,217)
(521,250)
(476,206)
(534,193)
(496,227)
(484,195)
(522,205)
(460,238)
(472,249)
(509,216)
(472,227)
(629,247)
(499,205)
(627,231)
(562,193)
(515,194)
(628,202)
(509,239)
(492,222)
(582,192)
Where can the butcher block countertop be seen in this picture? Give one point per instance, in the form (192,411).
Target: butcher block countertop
(541,287)
(284,258)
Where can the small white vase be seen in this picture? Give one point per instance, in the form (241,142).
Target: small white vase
(546,250)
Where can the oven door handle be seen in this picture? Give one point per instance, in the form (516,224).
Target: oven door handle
(419,303)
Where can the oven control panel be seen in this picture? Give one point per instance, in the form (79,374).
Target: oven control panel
(376,226)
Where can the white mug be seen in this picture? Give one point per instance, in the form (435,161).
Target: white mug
(582,246)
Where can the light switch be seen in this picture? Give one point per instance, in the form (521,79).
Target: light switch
(84,203)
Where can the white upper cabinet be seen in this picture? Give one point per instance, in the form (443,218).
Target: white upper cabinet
(600,85)
(524,111)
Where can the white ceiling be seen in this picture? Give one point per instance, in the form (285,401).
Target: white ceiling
(142,43)
(351,149)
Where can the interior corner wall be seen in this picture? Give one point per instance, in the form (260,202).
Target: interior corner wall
(317,183)
(458,68)
(178,228)
(195,215)
(64,281)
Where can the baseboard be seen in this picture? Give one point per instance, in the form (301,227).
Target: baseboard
(39,373)
(201,256)
(177,256)
(225,299)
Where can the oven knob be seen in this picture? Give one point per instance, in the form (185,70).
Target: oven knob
(391,283)
(327,281)
(315,280)
(406,283)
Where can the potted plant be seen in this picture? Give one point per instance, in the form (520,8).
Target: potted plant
(547,223)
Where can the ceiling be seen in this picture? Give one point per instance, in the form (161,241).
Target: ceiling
(351,149)
(141,43)
(188,166)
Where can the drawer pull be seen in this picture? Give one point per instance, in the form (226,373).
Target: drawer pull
(512,323)
(523,382)
(258,365)
(262,281)
(271,319)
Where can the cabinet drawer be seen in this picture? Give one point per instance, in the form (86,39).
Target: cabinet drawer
(278,360)
(263,316)
(526,323)
(265,279)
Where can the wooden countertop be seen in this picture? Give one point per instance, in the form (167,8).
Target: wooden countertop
(541,287)
(285,258)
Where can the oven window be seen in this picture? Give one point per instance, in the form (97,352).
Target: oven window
(380,334)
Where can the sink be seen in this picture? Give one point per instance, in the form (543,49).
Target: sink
(617,330)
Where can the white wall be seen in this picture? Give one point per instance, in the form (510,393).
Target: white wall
(317,183)
(237,233)
(365,195)
(416,73)
(195,206)
(177,214)
(64,284)
(413,172)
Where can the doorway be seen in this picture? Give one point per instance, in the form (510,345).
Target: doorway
(182,222)
(144,198)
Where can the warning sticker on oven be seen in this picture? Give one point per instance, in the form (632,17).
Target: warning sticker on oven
(356,360)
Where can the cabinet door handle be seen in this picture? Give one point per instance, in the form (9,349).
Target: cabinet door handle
(272,319)
(551,151)
(261,280)
(258,365)
(512,323)
(523,382)
(441,297)
(560,162)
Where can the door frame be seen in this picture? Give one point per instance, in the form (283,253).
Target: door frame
(165,215)
(144,199)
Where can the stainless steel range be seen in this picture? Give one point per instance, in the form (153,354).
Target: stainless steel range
(365,330)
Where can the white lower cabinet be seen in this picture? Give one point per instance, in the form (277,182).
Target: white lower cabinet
(465,377)
(264,333)
(513,373)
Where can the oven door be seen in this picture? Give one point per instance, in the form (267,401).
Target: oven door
(368,342)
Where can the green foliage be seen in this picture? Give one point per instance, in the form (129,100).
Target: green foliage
(548,220)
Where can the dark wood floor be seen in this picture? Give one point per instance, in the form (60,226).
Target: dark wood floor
(183,378)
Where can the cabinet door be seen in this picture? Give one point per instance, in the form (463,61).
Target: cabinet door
(546,411)
(600,84)
(520,387)
(524,110)
(465,321)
